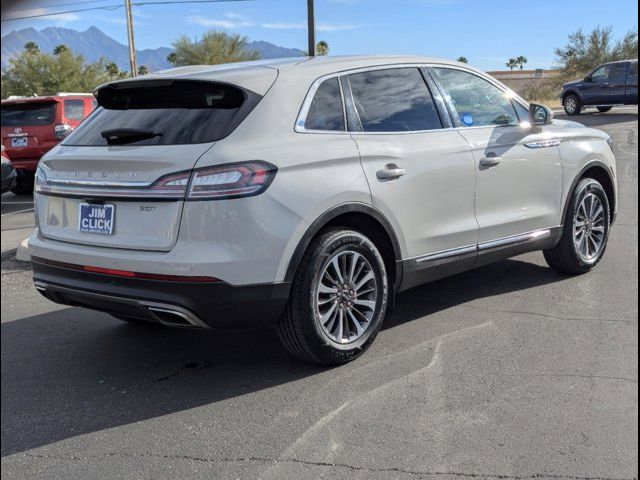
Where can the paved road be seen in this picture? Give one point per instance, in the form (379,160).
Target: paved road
(509,371)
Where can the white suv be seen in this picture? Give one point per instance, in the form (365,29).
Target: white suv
(308,192)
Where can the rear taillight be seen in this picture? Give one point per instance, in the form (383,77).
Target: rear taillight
(62,130)
(233,180)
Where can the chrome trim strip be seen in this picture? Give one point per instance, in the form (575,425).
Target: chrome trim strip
(96,183)
(453,252)
(177,311)
(514,239)
(109,193)
(500,242)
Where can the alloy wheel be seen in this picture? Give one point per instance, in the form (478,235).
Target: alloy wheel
(346,297)
(589,227)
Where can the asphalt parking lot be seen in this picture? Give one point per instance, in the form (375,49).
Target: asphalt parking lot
(509,371)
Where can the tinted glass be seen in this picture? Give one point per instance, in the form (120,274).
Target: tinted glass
(325,111)
(182,112)
(478,102)
(634,69)
(395,100)
(27,114)
(619,72)
(74,109)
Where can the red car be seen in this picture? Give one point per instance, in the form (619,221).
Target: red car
(33,126)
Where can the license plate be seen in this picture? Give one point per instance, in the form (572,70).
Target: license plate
(96,218)
(19,142)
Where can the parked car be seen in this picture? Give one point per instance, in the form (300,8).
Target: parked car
(606,86)
(8,179)
(32,126)
(307,193)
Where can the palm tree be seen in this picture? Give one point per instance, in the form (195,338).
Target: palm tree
(512,64)
(463,59)
(322,48)
(112,69)
(143,70)
(212,49)
(32,47)
(521,60)
(60,49)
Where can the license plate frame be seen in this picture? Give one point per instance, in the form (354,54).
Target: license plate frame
(97,219)
(19,142)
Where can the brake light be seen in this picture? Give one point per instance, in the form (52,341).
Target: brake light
(233,180)
(62,130)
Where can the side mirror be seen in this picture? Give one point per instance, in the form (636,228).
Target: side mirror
(540,114)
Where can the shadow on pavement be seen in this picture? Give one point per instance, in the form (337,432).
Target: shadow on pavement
(596,119)
(73,371)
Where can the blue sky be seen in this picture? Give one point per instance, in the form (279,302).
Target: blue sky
(486,31)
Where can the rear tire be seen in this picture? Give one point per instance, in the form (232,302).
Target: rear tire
(604,109)
(572,104)
(585,232)
(23,185)
(338,299)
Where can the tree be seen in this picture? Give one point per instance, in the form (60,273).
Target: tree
(521,60)
(463,59)
(36,73)
(585,51)
(214,48)
(322,48)
(511,64)
(32,47)
(143,70)
(60,49)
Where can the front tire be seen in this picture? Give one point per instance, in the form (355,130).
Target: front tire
(338,299)
(585,232)
(572,104)
(604,109)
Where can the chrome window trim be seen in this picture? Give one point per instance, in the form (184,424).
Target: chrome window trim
(304,109)
(306,105)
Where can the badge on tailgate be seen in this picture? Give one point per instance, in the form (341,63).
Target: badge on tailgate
(96,218)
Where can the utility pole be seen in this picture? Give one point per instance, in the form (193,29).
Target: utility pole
(311,20)
(132,45)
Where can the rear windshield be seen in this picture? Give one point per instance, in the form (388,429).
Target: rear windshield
(28,114)
(178,112)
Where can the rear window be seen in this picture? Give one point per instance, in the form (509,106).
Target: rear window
(180,112)
(74,109)
(28,114)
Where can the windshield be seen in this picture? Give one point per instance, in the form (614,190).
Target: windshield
(179,112)
(28,114)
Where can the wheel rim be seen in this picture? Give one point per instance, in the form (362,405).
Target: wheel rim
(346,297)
(570,103)
(589,227)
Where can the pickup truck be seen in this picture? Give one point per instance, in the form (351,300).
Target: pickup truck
(606,86)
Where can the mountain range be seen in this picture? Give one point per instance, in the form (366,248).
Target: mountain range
(93,43)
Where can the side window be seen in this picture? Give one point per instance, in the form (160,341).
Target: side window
(74,109)
(325,111)
(394,100)
(619,72)
(478,102)
(601,73)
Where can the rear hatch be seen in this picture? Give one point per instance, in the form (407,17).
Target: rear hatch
(119,179)
(28,127)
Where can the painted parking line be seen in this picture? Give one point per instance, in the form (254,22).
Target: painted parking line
(19,211)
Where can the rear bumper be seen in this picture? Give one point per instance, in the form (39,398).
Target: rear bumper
(182,304)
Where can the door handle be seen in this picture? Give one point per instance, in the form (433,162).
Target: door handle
(390,172)
(490,161)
